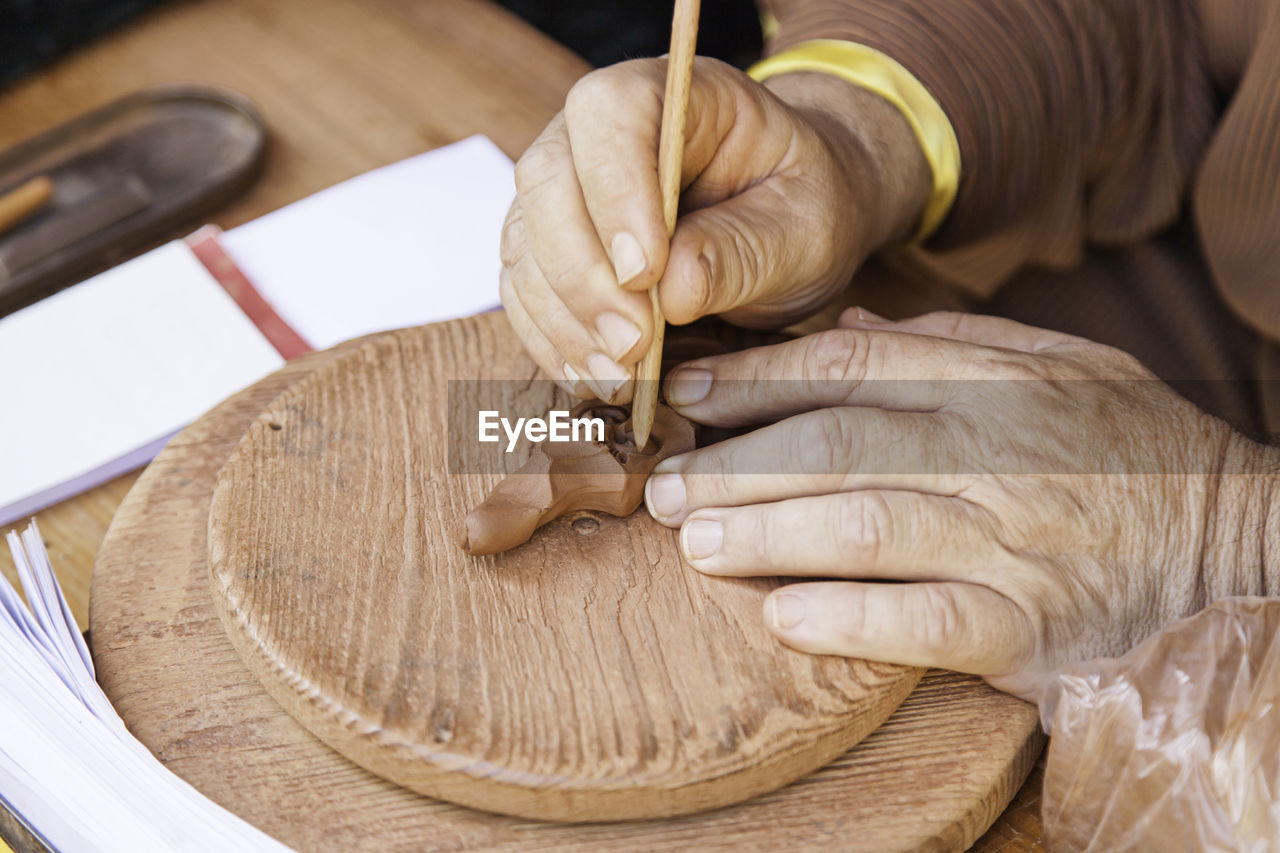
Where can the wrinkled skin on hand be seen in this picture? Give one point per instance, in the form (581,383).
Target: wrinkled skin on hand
(1037,499)
(786,190)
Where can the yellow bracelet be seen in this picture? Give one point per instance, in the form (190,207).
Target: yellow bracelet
(876,72)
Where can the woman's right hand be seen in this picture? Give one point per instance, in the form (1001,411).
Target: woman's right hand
(786,190)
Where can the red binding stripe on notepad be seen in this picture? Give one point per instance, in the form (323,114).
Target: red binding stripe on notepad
(205,246)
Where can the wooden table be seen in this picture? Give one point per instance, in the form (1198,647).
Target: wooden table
(345,86)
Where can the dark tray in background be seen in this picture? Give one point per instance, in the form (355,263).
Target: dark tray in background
(127,176)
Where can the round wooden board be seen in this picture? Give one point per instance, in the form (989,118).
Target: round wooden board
(585,676)
(933,776)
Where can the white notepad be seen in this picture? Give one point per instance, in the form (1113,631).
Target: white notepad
(113,366)
(410,243)
(100,376)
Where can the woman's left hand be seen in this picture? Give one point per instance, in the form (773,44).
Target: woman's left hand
(1039,498)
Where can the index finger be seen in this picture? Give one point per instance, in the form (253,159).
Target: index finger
(840,367)
(817,453)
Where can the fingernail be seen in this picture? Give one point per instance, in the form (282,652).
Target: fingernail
(607,374)
(868,317)
(617,332)
(628,257)
(701,538)
(688,385)
(785,611)
(665,494)
(570,381)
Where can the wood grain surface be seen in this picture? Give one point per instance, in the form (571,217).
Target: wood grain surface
(335,109)
(933,777)
(584,676)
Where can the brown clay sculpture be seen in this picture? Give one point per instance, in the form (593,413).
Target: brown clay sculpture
(561,477)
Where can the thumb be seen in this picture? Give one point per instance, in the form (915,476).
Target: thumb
(736,135)
(767,250)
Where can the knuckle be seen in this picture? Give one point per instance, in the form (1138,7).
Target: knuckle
(512,245)
(858,622)
(592,91)
(606,90)
(826,441)
(540,164)
(570,276)
(514,218)
(506,290)
(938,629)
(863,527)
(1023,367)
(708,477)
(722,485)
(839,355)
(769,547)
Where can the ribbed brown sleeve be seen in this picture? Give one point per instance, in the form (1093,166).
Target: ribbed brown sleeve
(1237,194)
(1078,120)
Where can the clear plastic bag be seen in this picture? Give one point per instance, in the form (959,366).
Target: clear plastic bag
(1175,745)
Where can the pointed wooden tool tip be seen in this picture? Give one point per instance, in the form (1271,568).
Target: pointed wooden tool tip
(644,403)
(642,427)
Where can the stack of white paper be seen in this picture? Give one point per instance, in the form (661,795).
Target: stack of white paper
(69,769)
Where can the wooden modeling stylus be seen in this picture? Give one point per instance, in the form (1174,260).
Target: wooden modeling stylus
(675,104)
(24,201)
